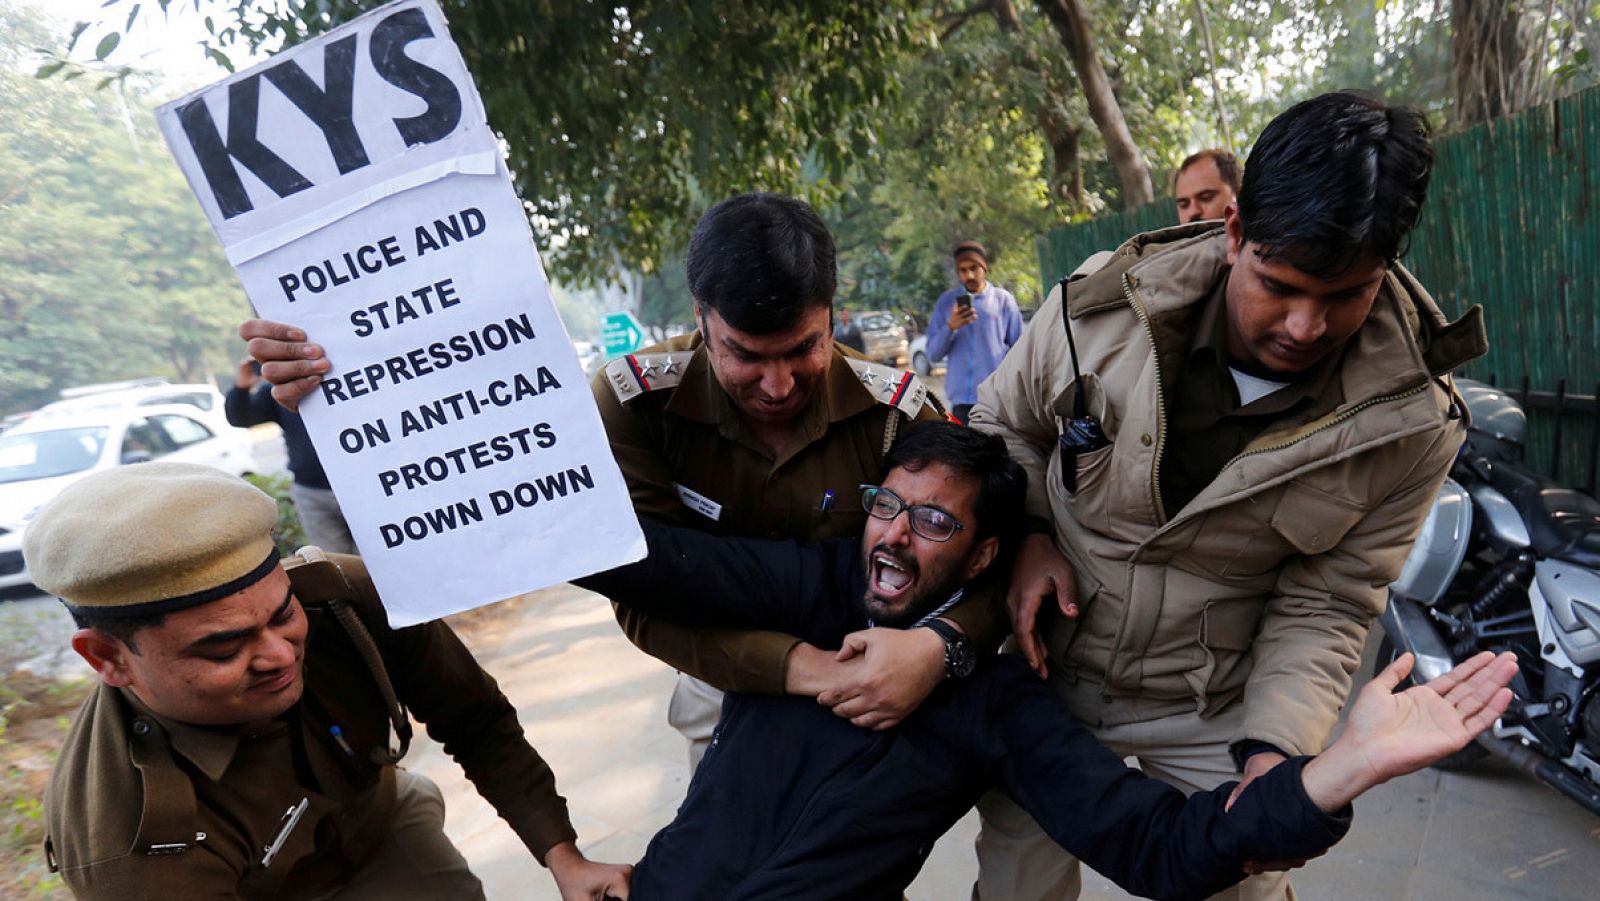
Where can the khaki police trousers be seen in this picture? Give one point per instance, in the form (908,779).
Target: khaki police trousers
(695,710)
(418,861)
(1017,861)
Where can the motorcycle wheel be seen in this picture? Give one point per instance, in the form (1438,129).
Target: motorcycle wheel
(1461,759)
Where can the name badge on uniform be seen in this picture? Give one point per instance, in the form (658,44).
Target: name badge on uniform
(699,503)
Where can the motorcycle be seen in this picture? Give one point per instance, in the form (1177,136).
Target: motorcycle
(1509,560)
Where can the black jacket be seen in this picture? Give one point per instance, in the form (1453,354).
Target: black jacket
(794,802)
(247,408)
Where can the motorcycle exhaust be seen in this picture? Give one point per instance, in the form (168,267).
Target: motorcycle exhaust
(1542,769)
(1408,627)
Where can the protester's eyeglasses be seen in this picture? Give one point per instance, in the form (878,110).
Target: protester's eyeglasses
(929,522)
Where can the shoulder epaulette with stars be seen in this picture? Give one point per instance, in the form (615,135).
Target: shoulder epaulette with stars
(892,387)
(636,375)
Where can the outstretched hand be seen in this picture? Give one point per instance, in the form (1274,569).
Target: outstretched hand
(1391,733)
(1403,732)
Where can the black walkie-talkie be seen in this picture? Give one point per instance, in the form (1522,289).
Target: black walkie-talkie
(1081,433)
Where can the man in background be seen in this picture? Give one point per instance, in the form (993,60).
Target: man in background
(1207,182)
(249,402)
(973,324)
(849,334)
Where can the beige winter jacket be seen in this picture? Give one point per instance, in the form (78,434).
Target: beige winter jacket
(1263,587)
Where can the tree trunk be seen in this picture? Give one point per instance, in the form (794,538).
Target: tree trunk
(1211,66)
(1071,22)
(1488,71)
(1066,180)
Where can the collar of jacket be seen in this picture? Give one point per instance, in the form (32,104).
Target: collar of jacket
(699,396)
(210,748)
(1172,269)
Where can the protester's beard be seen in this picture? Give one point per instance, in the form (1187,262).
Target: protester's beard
(924,592)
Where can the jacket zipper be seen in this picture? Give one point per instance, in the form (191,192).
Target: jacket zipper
(1369,402)
(1161,400)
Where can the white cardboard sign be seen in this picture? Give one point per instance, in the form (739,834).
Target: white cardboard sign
(361,196)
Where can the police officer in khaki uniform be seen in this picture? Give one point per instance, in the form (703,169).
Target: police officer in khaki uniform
(243,737)
(1233,434)
(760,425)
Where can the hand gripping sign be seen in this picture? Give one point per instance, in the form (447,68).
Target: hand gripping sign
(361,196)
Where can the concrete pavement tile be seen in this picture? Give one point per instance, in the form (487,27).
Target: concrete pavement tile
(504,866)
(952,867)
(576,745)
(1390,822)
(1349,877)
(666,743)
(1519,851)
(1429,885)
(1498,785)
(625,846)
(639,795)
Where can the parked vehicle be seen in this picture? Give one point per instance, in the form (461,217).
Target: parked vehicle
(920,362)
(68,440)
(885,336)
(1509,560)
(153,392)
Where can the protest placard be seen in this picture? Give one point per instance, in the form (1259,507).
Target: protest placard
(359,193)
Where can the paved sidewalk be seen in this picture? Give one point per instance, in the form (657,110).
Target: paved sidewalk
(596,708)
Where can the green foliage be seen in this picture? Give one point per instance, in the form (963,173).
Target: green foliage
(908,123)
(664,296)
(614,114)
(287,534)
(107,267)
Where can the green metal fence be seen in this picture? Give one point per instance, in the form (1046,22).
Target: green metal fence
(1513,223)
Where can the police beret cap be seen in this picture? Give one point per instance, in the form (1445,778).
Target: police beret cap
(151,538)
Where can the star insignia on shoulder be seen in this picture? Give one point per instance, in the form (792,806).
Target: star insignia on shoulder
(670,367)
(647,370)
(867,377)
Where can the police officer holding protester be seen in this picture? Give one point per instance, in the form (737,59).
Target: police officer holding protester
(1233,432)
(243,738)
(757,424)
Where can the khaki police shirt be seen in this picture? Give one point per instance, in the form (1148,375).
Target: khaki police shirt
(140,806)
(689,462)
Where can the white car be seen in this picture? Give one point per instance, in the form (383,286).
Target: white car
(68,440)
(919,357)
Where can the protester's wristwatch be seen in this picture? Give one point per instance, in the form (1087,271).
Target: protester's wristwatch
(959,658)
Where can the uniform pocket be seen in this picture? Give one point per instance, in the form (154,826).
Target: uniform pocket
(1095,403)
(1083,452)
(1314,521)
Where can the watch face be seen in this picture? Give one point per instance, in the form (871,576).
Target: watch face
(959,660)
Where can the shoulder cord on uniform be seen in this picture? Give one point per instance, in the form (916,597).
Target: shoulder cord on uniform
(368,649)
(890,429)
